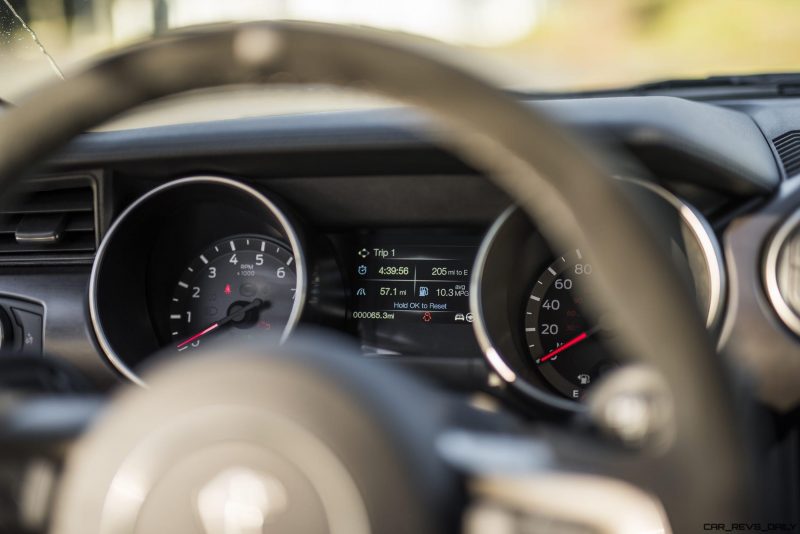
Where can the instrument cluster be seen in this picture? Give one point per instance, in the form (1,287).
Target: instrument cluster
(206,261)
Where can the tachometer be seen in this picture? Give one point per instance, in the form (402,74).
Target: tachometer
(241,286)
(562,341)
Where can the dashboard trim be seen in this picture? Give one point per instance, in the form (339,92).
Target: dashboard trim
(724,147)
(280,216)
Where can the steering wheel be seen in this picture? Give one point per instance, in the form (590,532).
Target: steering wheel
(317,439)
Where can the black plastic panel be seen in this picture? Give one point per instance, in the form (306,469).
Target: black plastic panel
(689,141)
(67,332)
(753,335)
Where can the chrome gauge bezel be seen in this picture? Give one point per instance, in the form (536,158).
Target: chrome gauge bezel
(709,244)
(287,229)
(774,248)
(500,364)
(494,357)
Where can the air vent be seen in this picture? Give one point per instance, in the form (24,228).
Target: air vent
(788,147)
(49,220)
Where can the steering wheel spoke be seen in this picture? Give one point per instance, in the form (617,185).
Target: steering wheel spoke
(554,480)
(562,502)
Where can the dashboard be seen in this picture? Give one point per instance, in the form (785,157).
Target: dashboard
(245,231)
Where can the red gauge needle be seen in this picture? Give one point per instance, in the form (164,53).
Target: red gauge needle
(239,312)
(571,343)
(199,335)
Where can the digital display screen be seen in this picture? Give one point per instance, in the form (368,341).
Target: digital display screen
(410,292)
(422,283)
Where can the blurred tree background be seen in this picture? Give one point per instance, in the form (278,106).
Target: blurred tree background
(592,44)
(540,44)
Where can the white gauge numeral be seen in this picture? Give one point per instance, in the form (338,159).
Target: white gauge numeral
(195,292)
(259,259)
(188,317)
(549,329)
(212,272)
(551,304)
(563,283)
(583,268)
(234,260)
(281,272)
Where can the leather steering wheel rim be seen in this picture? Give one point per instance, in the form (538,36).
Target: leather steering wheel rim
(541,168)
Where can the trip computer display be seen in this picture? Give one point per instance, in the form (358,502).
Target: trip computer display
(413,289)
(427,283)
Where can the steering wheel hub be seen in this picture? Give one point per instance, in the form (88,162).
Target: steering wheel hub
(236,443)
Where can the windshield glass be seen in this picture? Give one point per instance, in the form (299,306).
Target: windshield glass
(543,45)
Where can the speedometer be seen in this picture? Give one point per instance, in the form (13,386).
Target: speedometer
(563,343)
(537,333)
(241,286)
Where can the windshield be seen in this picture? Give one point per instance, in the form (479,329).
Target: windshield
(542,45)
